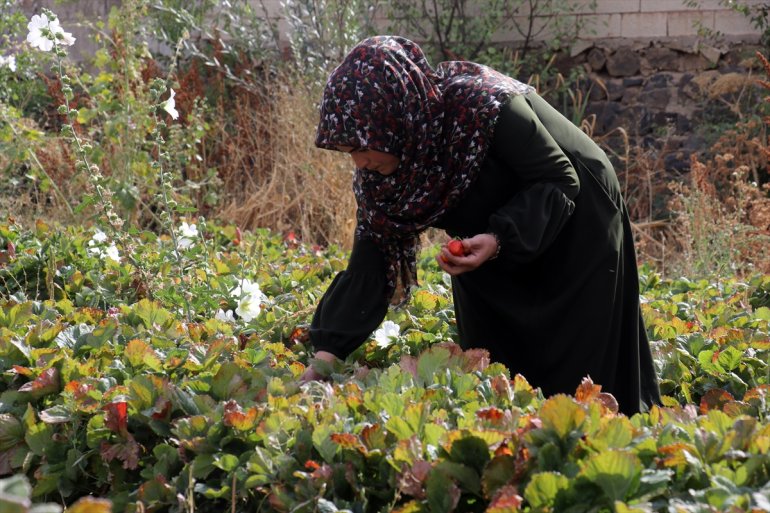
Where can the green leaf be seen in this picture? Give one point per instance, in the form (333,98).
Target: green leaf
(442,492)
(152,314)
(11,431)
(762,313)
(616,472)
(58,414)
(730,358)
(497,473)
(226,462)
(710,363)
(562,414)
(399,427)
(38,435)
(323,443)
(431,362)
(465,476)
(543,489)
(228,383)
(616,433)
(471,451)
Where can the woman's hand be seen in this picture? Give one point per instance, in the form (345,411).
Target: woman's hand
(311,374)
(478,249)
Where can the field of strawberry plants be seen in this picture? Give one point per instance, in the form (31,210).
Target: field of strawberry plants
(123,390)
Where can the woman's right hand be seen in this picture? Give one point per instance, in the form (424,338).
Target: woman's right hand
(478,249)
(311,374)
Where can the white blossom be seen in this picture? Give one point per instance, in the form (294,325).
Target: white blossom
(43,32)
(385,335)
(9,61)
(250,299)
(170,105)
(224,316)
(187,234)
(98,238)
(112,253)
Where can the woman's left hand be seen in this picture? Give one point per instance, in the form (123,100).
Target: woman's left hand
(478,249)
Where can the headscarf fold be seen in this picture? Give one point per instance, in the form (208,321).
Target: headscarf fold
(439,122)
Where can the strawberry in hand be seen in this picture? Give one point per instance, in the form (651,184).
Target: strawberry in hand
(459,256)
(456,247)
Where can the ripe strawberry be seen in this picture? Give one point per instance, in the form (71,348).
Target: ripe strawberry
(456,247)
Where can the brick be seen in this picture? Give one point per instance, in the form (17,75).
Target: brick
(542,30)
(678,5)
(599,26)
(647,25)
(733,23)
(688,23)
(616,6)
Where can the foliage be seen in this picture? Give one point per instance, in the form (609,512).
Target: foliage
(462,30)
(757,12)
(104,388)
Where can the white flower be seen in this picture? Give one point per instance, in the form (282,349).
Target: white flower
(224,316)
(9,61)
(386,333)
(113,253)
(99,237)
(42,33)
(250,299)
(187,233)
(170,105)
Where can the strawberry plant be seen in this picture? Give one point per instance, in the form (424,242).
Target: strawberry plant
(107,390)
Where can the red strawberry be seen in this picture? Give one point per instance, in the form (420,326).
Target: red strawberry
(456,247)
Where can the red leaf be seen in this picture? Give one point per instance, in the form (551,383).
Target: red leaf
(492,414)
(46,383)
(506,499)
(715,399)
(126,451)
(346,440)
(162,409)
(116,418)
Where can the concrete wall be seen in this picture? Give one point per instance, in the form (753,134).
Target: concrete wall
(637,19)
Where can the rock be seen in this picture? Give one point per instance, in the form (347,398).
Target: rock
(630,95)
(597,90)
(657,81)
(657,98)
(661,59)
(607,115)
(693,62)
(633,82)
(596,59)
(623,63)
(615,89)
(711,54)
(678,161)
(684,44)
(580,46)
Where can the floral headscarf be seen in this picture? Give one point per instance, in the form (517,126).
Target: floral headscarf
(385,96)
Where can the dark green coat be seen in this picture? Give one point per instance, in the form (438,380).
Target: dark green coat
(562,300)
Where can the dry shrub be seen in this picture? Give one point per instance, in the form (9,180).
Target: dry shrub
(721,220)
(273,174)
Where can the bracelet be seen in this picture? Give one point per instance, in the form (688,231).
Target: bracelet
(499,246)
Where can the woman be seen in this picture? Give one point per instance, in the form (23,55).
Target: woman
(549,281)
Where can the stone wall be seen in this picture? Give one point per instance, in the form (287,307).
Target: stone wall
(668,92)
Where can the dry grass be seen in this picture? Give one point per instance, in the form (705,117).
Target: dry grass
(273,174)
